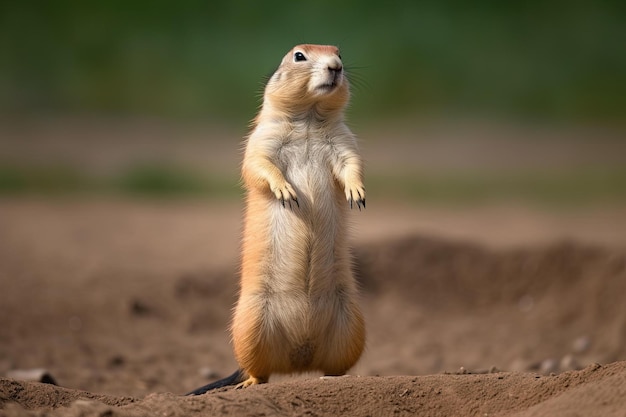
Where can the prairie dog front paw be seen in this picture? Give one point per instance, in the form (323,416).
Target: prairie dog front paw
(355,193)
(284,192)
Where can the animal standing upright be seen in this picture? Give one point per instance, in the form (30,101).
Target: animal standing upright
(298,303)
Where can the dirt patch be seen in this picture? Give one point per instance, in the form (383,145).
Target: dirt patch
(127,306)
(594,391)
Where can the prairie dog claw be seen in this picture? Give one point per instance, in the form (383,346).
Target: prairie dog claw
(285,193)
(356,194)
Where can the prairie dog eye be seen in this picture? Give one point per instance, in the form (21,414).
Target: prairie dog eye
(299,56)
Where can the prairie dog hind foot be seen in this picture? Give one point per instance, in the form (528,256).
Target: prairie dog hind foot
(251,381)
(240,379)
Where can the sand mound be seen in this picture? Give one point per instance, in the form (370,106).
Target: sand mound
(595,391)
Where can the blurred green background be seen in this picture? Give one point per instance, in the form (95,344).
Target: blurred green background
(138,82)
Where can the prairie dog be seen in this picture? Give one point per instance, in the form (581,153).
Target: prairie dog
(302,171)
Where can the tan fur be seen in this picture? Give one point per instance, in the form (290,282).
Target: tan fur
(297,309)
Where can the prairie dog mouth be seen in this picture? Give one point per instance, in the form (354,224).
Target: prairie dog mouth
(327,87)
(334,79)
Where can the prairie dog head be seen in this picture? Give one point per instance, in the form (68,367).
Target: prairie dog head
(310,77)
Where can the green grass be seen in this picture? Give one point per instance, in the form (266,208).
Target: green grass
(589,186)
(154,180)
(554,61)
(47,181)
(159,181)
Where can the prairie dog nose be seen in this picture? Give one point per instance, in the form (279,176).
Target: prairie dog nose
(334,64)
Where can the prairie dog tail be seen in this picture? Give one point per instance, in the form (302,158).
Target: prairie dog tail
(236,378)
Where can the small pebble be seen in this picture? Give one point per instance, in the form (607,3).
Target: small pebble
(549,365)
(36,375)
(594,367)
(569,363)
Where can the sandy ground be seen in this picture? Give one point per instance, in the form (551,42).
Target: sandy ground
(507,309)
(500,310)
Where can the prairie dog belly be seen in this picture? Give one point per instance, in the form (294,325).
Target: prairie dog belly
(311,275)
(318,219)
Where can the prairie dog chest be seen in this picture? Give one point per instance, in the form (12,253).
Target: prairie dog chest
(304,153)
(307,158)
